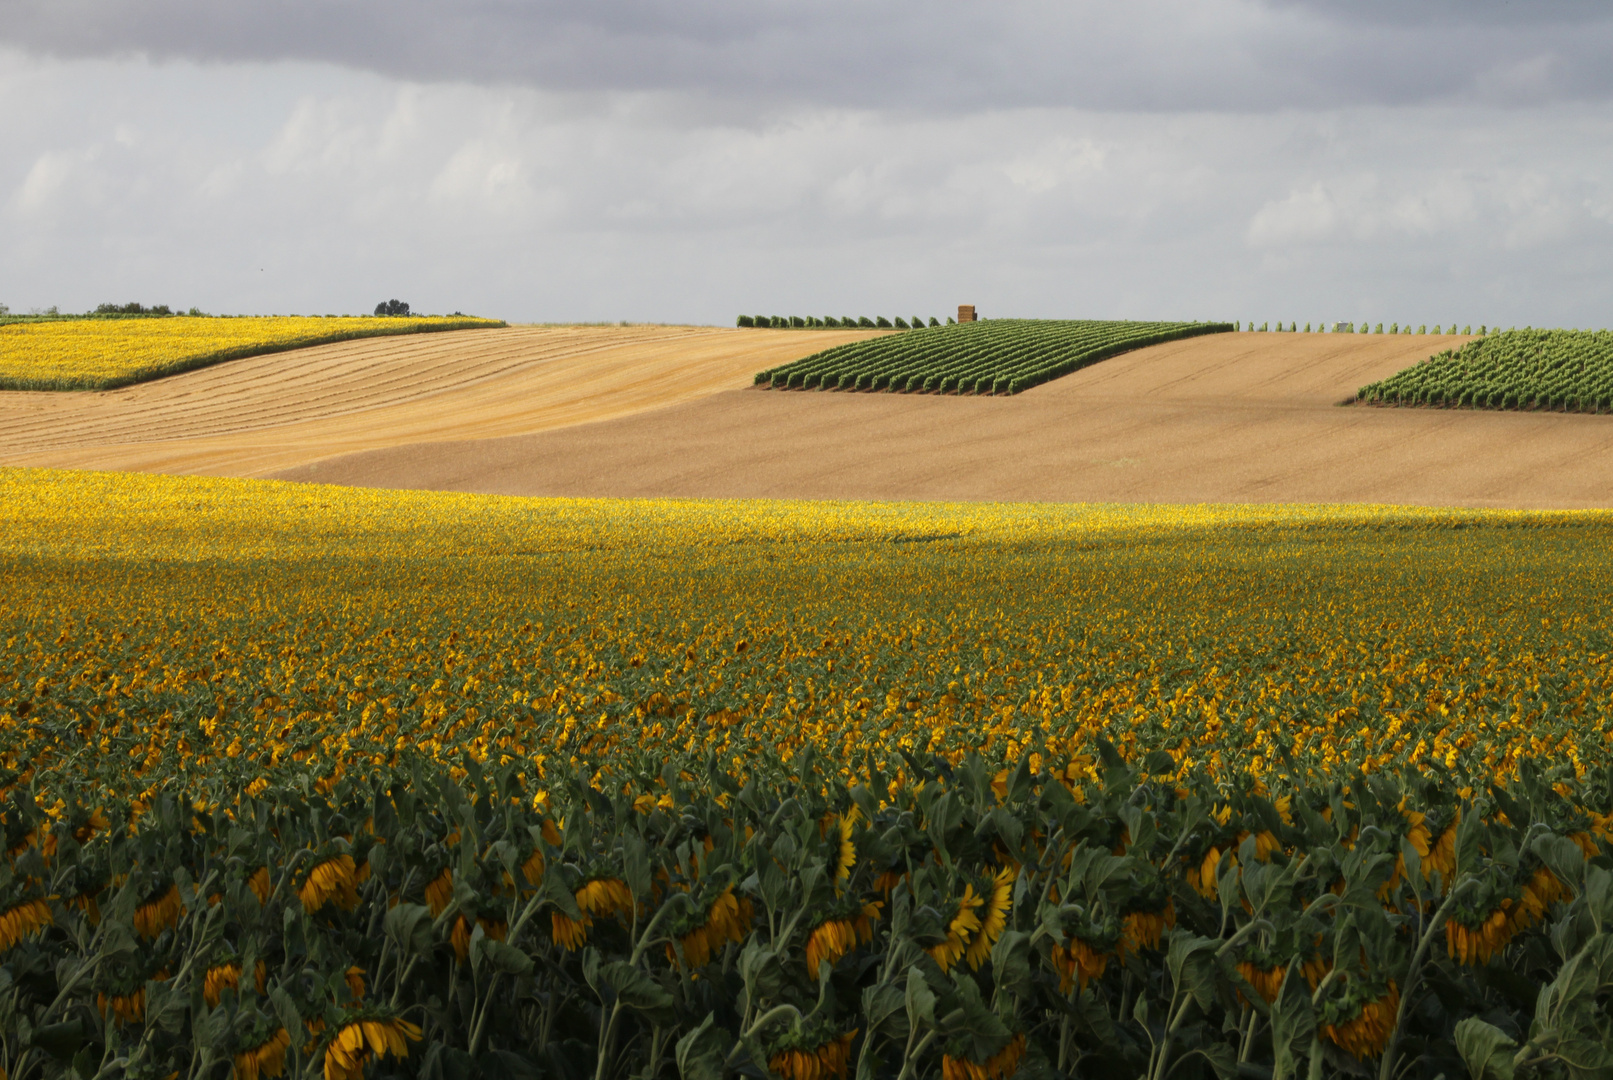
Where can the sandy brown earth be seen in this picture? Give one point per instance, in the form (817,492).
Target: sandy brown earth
(1225,418)
(251,417)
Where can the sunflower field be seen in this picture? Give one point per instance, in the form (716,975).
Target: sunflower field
(1560,370)
(302,780)
(1002,356)
(101,353)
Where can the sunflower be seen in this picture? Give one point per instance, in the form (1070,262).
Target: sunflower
(351,1046)
(260,885)
(960,931)
(569,933)
(829,940)
(267,1059)
(726,921)
(1207,879)
(1476,944)
(533,868)
(605,896)
(1366,1035)
(228,977)
(127,1008)
(1143,929)
(23,919)
(439,892)
(996,918)
(999,1066)
(1442,854)
(1267,981)
(1078,964)
(460,936)
(355,982)
(330,881)
(156,915)
(827,1059)
(846,852)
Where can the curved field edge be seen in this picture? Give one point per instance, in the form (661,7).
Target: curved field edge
(1514,370)
(241,352)
(59,512)
(864,360)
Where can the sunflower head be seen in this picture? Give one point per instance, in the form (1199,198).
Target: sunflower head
(348,1047)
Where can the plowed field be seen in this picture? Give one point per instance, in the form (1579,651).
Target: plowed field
(254,416)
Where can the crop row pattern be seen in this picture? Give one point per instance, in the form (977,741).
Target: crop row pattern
(1567,370)
(1002,356)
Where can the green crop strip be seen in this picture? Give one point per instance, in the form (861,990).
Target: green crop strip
(1003,356)
(1561,370)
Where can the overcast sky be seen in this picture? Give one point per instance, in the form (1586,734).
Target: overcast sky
(1309,160)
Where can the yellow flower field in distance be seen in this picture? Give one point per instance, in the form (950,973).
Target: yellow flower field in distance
(251,624)
(99,354)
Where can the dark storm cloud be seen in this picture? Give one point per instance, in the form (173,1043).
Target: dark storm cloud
(1149,55)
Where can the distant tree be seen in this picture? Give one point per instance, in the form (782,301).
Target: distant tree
(797,322)
(901,323)
(392,308)
(831,321)
(917,323)
(1307,328)
(1468,329)
(865,321)
(934,322)
(746,320)
(4,310)
(1394,328)
(1263,328)
(883,323)
(778,322)
(1423,329)
(132,309)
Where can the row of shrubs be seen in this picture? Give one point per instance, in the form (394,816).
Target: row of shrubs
(1350,328)
(812,322)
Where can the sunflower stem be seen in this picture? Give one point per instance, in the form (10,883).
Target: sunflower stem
(1386,1064)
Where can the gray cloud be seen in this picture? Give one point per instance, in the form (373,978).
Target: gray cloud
(1141,55)
(297,188)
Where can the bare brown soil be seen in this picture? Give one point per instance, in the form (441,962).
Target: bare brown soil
(1224,418)
(254,416)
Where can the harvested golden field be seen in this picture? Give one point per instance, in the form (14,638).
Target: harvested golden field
(253,416)
(100,354)
(1250,417)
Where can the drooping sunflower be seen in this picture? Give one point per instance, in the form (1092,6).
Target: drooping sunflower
(440,892)
(129,1008)
(158,913)
(996,918)
(1143,929)
(352,1045)
(331,880)
(605,896)
(459,937)
(965,924)
(829,1058)
(999,1066)
(355,982)
(258,881)
(227,976)
(267,1059)
(20,920)
(1367,1033)
(1267,980)
(1078,963)
(726,919)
